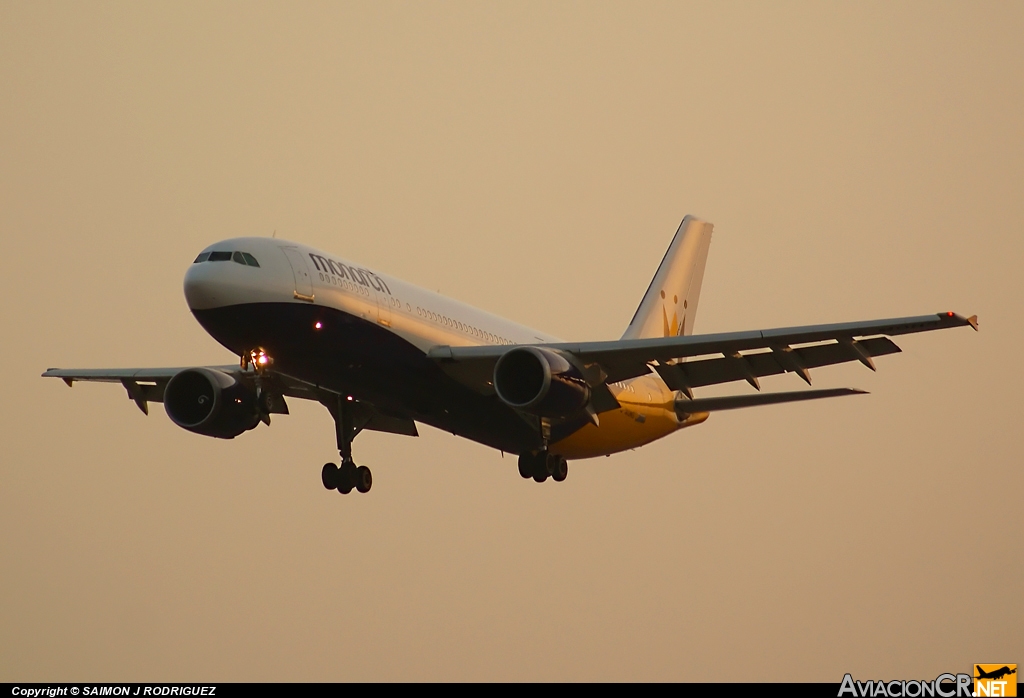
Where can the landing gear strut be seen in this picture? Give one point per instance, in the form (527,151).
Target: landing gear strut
(541,465)
(348,476)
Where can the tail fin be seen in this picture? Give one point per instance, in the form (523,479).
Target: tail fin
(670,304)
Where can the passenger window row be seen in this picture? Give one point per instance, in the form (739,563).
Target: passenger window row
(243,258)
(462,327)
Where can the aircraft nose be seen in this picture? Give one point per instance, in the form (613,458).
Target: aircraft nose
(205,286)
(225,275)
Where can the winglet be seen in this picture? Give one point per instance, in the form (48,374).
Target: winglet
(973,321)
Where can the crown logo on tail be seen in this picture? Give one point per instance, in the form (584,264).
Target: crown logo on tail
(675,328)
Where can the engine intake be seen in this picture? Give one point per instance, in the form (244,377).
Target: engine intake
(210,402)
(540,381)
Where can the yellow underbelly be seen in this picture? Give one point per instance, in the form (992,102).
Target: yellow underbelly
(630,426)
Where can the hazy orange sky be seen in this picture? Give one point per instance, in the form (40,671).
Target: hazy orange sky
(859,161)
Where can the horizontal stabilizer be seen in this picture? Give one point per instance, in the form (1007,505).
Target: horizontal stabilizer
(734,402)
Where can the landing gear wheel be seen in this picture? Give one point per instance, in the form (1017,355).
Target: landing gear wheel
(364,479)
(540,467)
(346,477)
(329,476)
(559,468)
(526,465)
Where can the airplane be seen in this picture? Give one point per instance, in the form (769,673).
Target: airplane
(995,674)
(382,355)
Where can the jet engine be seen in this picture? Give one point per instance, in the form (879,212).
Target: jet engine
(211,402)
(540,381)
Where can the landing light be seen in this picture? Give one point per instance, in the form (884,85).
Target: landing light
(317,325)
(258,358)
(349,398)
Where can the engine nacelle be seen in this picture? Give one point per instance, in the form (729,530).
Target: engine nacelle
(210,402)
(541,382)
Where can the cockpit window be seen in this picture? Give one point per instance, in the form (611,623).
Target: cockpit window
(243,258)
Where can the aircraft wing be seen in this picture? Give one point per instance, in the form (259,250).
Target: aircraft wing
(117,375)
(145,385)
(698,360)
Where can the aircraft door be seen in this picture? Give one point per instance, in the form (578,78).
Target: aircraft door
(300,270)
(383,304)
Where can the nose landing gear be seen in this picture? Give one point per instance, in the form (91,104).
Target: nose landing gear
(348,476)
(542,465)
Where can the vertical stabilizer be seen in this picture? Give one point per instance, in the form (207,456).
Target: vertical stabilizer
(670,304)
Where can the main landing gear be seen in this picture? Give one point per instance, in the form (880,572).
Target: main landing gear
(348,476)
(542,465)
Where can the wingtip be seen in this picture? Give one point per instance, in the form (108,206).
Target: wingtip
(960,319)
(52,373)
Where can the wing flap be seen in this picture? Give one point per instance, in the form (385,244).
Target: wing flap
(391,425)
(694,374)
(837,353)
